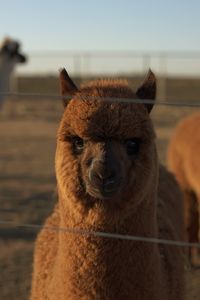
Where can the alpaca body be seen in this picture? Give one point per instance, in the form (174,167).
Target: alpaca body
(100,188)
(183,153)
(86,274)
(184,162)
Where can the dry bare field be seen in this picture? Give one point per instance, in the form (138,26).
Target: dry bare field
(27,180)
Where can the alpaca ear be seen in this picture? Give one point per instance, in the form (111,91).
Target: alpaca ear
(67,86)
(148,90)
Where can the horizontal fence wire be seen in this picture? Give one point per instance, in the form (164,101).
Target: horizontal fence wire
(103,234)
(116,54)
(189,103)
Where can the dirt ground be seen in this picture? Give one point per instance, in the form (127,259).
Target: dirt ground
(27,180)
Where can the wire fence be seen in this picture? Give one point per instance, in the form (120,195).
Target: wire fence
(112,62)
(104,234)
(188,103)
(109,63)
(97,233)
(80,64)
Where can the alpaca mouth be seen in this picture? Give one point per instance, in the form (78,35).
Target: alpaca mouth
(104,191)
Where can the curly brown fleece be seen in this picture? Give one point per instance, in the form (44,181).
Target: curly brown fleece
(184,162)
(144,203)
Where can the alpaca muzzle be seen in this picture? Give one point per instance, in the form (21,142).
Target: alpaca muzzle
(104,179)
(21,58)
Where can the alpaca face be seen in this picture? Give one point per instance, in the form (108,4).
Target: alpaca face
(106,153)
(104,150)
(11,52)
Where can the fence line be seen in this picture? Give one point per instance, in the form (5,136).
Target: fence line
(81,61)
(188,103)
(103,234)
(99,233)
(115,53)
(87,62)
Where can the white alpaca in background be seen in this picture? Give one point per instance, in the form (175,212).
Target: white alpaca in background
(9,56)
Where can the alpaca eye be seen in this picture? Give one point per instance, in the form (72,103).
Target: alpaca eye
(132,146)
(78,144)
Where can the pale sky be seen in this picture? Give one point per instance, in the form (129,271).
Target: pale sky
(102,25)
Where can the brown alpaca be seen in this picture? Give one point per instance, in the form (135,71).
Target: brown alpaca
(107,174)
(184,162)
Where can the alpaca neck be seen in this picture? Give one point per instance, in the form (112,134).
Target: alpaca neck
(6,69)
(117,265)
(141,222)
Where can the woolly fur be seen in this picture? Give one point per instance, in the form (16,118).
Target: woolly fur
(148,203)
(184,162)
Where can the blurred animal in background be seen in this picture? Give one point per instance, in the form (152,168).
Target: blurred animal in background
(184,162)
(10,56)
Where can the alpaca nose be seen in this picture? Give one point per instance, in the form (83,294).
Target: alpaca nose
(110,183)
(104,177)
